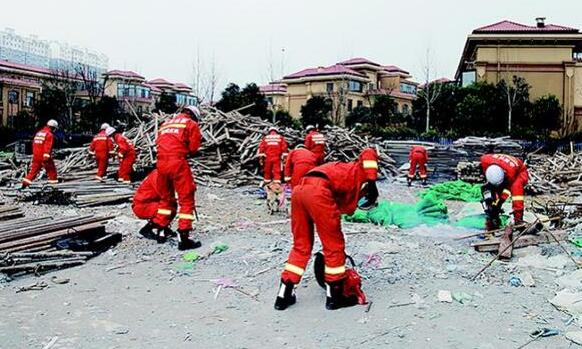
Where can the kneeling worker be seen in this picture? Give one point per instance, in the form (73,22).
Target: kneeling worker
(506,176)
(146,202)
(323,195)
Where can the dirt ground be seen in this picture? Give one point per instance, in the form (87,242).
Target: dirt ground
(143,295)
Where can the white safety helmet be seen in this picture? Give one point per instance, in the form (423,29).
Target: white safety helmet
(273,128)
(494,175)
(53,123)
(194,110)
(309,128)
(105,126)
(109,131)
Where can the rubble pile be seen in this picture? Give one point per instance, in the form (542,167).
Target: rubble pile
(477,146)
(228,152)
(557,174)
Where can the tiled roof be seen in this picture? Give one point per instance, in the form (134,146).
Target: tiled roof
(358,60)
(513,27)
(442,80)
(20,82)
(182,87)
(126,74)
(394,69)
(153,88)
(336,69)
(271,88)
(26,67)
(161,83)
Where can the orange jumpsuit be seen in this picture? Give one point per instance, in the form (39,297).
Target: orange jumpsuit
(315,142)
(418,156)
(298,163)
(126,153)
(147,198)
(272,148)
(101,146)
(516,177)
(323,195)
(177,138)
(42,147)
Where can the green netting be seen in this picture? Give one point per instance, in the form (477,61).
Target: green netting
(478,221)
(429,211)
(454,190)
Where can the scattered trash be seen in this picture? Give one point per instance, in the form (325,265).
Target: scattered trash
(38,286)
(515,281)
(61,281)
(462,297)
(191,256)
(445,296)
(527,279)
(541,333)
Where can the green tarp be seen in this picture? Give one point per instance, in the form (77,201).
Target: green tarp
(478,221)
(454,190)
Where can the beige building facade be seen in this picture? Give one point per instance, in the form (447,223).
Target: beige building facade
(347,84)
(547,56)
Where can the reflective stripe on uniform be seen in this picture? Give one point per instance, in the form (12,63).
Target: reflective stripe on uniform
(370,164)
(164,212)
(517,198)
(100,138)
(186,216)
(99,178)
(507,192)
(335,270)
(294,269)
(172,126)
(53,182)
(47,155)
(287,179)
(120,155)
(26,180)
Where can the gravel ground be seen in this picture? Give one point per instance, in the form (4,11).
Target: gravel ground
(143,295)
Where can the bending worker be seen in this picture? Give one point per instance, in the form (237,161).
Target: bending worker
(315,142)
(272,149)
(146,202)
(42,149)
(506,176)
(418,156)
(101,147)
(317,203)
(178,138)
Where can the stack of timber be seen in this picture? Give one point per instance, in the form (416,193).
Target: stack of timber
(228,154)
(8,212)
(477,146)
(42,244)
(558,173)
(470,172)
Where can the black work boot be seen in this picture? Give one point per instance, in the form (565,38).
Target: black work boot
(335,296)
(184,241)
(286,296)
(409,181)
(424,181)
(147,231)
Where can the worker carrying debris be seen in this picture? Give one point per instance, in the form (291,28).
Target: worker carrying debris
(146,202)
(298,163)
(101,147)
(506,176)
(178,138)
(42,148)
(418,156)
(323,195)
(126,154)
(315,142)
(272,149)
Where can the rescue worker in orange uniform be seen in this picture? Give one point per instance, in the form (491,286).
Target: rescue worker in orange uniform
(506,176)
(418,156)
(298,163)
(178,138)
(315,142)
(272,149)
(101,147)
(146,202)
(42,148)
(126,154)
(323,195)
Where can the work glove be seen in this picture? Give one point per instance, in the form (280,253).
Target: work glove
(369,196)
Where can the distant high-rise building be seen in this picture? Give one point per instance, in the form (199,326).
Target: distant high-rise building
(54,55)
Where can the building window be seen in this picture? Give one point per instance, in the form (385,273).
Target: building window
(13,97)
(329,87)
(354,86)
(29,102)
(407,88)
(405,109)
(360,103)
(350,105)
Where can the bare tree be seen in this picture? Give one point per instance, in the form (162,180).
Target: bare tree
(338,96)
(91,84)
(432,89)
(515,90)
(67,81)
(205,81)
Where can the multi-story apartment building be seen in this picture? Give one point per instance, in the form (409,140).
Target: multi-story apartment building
(54,55)
(20,86)
(348,84)
(547,56)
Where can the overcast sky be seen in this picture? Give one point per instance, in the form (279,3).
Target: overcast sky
(161,38)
